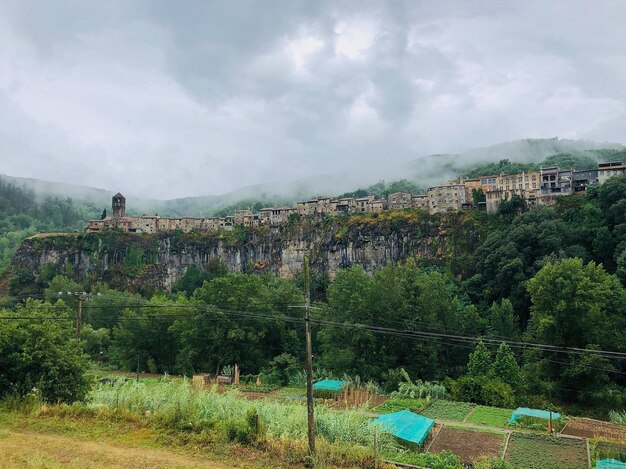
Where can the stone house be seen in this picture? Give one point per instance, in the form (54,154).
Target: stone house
(363,204)
(419,201)
(446,198)
(275,215)
(346,205)
(399,200)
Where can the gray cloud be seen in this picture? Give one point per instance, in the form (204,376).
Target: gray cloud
(165,99)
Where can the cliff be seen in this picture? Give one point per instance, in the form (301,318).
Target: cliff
(148,262)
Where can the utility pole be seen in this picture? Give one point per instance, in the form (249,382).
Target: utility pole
(80,297)
(309,358)
(79,317)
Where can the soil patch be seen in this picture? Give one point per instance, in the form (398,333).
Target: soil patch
(589,428)
(467,444)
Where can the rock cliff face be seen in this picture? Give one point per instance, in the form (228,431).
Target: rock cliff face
(133,261)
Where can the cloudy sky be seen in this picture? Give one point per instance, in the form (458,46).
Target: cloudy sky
(174,98)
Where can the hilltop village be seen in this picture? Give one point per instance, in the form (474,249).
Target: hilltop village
(537,188)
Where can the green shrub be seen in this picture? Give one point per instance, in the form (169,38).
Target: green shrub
(618,416)
(418,389)
(497,393)
(468,389)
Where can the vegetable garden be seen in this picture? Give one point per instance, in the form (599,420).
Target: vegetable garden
(447,410)
(469,445)
(532,451)
(281,415)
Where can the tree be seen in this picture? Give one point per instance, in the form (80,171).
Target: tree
(570,302)
(573,305)
(503,323)
(506,369)
(282,369)
(104,214)
(479,365)
(478,197)
(64,285)
(42,355)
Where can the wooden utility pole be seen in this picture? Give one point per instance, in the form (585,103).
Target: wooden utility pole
(309,358)
(79,315)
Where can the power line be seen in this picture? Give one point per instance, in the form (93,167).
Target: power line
(453,339)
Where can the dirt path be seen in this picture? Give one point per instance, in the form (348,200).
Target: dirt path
(37,450)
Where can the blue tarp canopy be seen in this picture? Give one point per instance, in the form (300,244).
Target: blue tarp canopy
(526,412)
(405,425)
(329,385)
(610,464)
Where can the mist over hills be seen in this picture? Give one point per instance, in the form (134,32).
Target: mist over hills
(423,171)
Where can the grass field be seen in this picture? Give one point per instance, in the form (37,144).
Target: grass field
(447,410)
(531,451)
(397,404)
(489,416)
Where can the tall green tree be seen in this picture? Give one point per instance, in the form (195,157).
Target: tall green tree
(480,362)
(42,356)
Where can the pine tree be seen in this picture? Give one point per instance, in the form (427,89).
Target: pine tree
(506,369)
(104,214)
(479,365)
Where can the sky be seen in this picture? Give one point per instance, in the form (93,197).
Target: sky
(171,98)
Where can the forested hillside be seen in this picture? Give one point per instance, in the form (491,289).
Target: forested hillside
(22,215)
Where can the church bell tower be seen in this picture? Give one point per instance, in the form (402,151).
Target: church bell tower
(119,206)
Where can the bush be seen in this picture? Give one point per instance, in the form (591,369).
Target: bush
(418,389)
(618,416)
(496,393)
(42,356)
(468,389)
(282,369)
(486,463)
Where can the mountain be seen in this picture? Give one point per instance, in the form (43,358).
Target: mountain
(424,171)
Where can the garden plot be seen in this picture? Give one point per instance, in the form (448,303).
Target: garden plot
(589,428)
(531,451)
(489,416)
(606,450)
(395,404)
(469,445)
(447,410)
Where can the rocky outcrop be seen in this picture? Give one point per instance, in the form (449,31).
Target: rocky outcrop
(134,261)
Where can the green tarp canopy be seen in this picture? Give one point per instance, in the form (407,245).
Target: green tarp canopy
(526,412)
(329,385)
(610,464)
(405,425)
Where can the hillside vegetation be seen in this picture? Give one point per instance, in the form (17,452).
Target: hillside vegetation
(22,215)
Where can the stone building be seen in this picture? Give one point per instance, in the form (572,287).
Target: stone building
(118,206)
(399,200)
(363,204)
(275,215)
(448,198)
(345,206)
(419,201)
